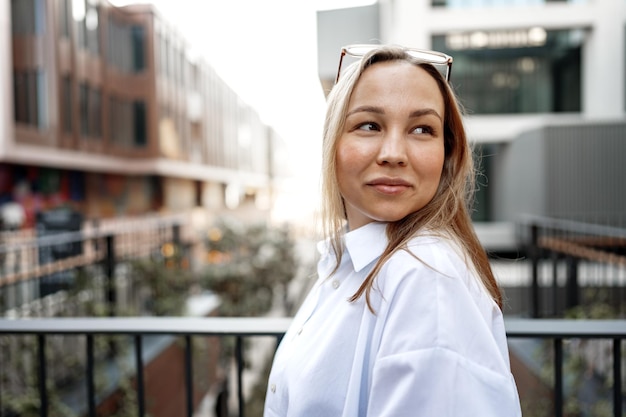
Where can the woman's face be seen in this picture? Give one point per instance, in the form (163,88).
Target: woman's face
(390,155)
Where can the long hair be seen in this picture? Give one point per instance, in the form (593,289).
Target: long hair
(448,211)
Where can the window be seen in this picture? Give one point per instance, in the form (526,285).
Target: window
(87,17)
(67,101)
(90,101)
(29,94)
(495,3)
(127,123)
(126,47)
(165,57)
(27,17)
(516,71)
(139,113)
(119,120)
(95,113)
(137,36)
(83,97)
(64,18)
(483,160)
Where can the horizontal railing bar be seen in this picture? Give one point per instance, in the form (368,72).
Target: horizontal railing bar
(210,326)
(564,225)
(53,238)
(565,328)
(272,326)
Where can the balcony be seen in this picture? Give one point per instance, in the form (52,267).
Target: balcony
(556,331)
(563,259)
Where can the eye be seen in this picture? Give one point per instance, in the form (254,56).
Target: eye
(368,126)
(423,130)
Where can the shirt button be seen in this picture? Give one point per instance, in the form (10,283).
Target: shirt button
(335,284)
(273,388)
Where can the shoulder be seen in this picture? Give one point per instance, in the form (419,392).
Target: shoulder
(430,297)
(432,276)
(430,256)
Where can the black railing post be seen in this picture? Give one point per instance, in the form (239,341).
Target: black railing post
(109,273)
(571,285)
(533,253)
(95,224)
(617,377)
(141,410)
(555,283)
(109,276)
(189,374)
(178,250)
(240,366)
(91,385)
(43,391)
(176,234)
(558,377)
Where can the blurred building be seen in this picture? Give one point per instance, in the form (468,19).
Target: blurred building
(103,111)
(543,84)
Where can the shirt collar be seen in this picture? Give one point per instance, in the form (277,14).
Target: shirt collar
(366,244)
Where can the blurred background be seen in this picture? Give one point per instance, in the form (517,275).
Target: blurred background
(161,158)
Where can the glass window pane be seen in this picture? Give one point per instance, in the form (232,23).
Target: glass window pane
(516,71)
(83,97)
(64,18)
(66,104)
(19,97)
(140,133)
(39,17)
(20,15)
(495,3)
(95,113)
(138,48)
(92,27)
(41,100)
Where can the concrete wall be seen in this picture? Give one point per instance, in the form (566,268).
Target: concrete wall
(340,27)
(573,171)
(586,172)
(518,178)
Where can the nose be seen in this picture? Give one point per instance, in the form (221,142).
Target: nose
(392,149)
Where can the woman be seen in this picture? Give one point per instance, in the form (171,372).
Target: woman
(405,318)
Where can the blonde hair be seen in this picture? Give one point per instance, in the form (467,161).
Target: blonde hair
(447,212)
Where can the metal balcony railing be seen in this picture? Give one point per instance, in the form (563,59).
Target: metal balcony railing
(556,330)
(576,255)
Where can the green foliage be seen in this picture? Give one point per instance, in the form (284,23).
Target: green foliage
(597,308)
(166,282)
(21,395)
(586,365)
(246,264)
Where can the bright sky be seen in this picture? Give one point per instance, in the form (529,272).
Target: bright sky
(266,50)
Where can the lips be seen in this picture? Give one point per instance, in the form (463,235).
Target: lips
(389,186)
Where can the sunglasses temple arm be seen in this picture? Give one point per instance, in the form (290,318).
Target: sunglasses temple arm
(339,69)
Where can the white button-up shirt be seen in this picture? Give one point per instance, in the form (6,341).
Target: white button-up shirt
(435,345)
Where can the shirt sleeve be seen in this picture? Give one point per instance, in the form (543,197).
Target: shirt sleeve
(439,382)
(437,352)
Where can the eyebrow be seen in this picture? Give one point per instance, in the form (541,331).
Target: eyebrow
(379,110)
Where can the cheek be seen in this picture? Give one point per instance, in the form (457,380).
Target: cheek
(429,162)
(347,158)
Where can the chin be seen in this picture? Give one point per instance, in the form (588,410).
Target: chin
(391,219)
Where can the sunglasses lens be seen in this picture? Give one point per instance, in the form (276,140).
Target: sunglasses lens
(359,50)
(442,61)
(428,57)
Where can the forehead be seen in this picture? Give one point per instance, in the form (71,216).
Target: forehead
(398,81)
